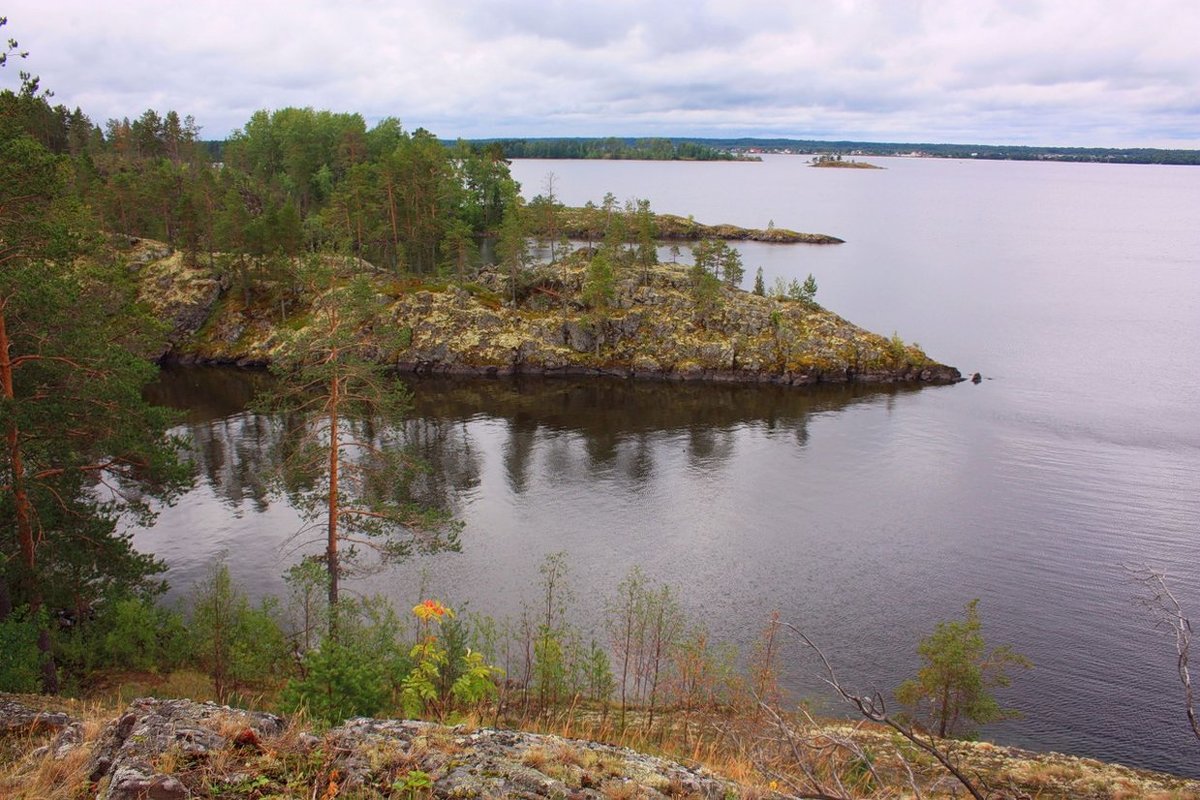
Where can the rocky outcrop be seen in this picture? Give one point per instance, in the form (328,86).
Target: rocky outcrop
(654,327)
(177,749)
(578,224)
(17,717)
(182,295)
(495,763)
(126,757)
(672,227)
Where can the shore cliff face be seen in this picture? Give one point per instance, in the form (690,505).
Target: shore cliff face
(654,326)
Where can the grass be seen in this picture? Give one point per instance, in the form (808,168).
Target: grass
(27,775)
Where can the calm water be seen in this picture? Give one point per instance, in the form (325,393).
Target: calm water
(863,516)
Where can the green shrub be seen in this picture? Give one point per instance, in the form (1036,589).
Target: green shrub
(234,642)
(339,681)
(20,659)
(126,632)
(958,671)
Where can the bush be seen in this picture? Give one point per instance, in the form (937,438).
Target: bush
(235,643)
(126,632)
(20,659)
(339,682)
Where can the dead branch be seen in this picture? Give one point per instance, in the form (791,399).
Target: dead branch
(873,708)
(1166,609)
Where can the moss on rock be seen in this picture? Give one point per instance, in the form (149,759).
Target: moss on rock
(653,328)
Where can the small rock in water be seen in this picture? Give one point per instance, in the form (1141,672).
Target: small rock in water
(976,378)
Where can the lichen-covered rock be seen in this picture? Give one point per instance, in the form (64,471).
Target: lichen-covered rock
(652,328)
(180,294)
(16,717)
(496,763)
(124,757)
(177,749)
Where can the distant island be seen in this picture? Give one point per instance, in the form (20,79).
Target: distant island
(837,162)
(586,224)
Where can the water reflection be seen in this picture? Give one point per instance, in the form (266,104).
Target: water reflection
(582,428)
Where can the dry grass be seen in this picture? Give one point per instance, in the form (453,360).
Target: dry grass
(734,746)
(711,745)
(45,777)
(536,758)
(568,755)
(119,689)
(621,789)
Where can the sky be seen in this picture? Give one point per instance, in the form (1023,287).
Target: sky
(1100,73)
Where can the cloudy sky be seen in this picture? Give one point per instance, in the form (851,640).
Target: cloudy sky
(1106,73)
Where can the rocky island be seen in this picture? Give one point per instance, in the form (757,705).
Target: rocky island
(574,223)
(654,325)
(837,162)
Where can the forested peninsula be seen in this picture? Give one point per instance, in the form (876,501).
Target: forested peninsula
(559,318)
(474,277)
(616,148)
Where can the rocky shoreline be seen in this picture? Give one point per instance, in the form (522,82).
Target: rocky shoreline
(654,329)
(574,223)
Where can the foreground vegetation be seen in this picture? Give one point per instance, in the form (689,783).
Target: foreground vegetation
(666,689)
(647,676)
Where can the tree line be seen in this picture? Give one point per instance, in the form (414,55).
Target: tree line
(612,147)
(290,181)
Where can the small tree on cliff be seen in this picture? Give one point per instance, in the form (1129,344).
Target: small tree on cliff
(345,466)
(954,683)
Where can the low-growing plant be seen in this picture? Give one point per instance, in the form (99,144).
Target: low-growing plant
(423,692)
(413,784)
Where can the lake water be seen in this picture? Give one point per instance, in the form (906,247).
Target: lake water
(863,516)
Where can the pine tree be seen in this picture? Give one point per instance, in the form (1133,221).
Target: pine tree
(80,446)
(345,466)
(958,673)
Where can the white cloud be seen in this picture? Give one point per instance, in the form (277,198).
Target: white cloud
(1112,73)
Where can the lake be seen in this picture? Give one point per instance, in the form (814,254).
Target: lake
(863,516)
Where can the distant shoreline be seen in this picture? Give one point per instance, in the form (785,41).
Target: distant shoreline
(750,147)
